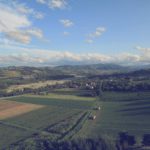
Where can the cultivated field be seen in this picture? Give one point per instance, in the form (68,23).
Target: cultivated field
(65,97)
(10,134)
(60,101)
(35,85)
(10,109)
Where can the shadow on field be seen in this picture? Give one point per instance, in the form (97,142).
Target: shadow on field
(137,111)
(139,103)
(126,99)
(143,112)
(136,107)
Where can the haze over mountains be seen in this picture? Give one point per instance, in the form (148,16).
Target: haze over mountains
(83,70)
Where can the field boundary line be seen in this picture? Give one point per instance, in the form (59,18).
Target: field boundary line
(77,126)
(126,130)
(13,125)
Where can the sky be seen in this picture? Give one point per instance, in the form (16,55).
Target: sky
(58,32)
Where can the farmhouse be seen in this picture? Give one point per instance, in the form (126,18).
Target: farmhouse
(92,117)
(99,108)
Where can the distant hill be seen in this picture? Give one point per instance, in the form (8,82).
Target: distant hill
(92,68)
(144,72)
(83,70)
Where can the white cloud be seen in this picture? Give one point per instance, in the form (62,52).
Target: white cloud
(9,44)
(24,36)
(33,56)
(90,41)
(145,53)
(18,36)
(20,59)
(15,24)
(46,57)
(10,20)
(57,4)
(39,15)
(147,50)
(23,9)
(54,4)
(127,58)
(41,1)
(98,32)
(66,22)
(35,32)
(65,33)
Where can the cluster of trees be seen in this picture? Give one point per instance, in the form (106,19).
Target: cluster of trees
(76,144)
(132,81)
(125,85)
(25,75)
(139,74)
(124,142)
(111,84)
(4,83)
(39,91)
(87,88)
(128,142)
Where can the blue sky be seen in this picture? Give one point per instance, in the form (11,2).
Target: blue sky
(47,32)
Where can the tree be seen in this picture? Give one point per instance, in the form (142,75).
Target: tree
(99,90)
(125,141)
(146,140)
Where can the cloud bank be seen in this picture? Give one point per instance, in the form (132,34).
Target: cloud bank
(43,57)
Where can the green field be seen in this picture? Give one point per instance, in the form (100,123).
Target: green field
(57,100)
(67,116)
(120,112)
(59,118)
(10,134)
